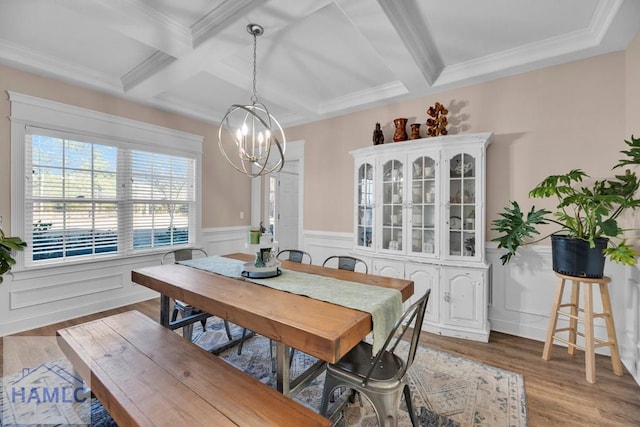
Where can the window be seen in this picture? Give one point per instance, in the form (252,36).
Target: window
(161,198)
(91,195)
(71,199)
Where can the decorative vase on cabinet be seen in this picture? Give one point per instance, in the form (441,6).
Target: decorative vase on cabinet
(420,204)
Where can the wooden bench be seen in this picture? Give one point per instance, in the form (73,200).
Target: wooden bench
(147,375)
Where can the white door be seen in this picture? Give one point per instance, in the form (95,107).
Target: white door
(464,300)
(388,268)
(425,277)
(286,212)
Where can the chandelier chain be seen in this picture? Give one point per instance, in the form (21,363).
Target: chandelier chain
(254,97)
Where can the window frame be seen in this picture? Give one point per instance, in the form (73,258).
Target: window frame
(96,127)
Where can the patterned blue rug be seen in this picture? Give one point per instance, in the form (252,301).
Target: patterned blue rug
(447,390)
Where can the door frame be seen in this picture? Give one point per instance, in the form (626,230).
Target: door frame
(260,190)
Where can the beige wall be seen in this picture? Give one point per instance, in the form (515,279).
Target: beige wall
(545,121)
(223,198)
(633,87)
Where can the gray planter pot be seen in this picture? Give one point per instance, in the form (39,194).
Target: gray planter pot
(574,257)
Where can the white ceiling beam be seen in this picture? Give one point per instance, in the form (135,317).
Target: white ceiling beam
(219,18)
(137,21)
(416,37)
(402,43)
(145,69)
(153,82)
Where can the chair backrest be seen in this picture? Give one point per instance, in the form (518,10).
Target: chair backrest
(346,262)
(415,312)
(182,254)
(295,255)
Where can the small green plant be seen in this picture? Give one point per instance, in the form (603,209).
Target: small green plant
(585,213)
(7,245)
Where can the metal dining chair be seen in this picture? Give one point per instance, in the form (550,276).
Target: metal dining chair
(180,307)
(380,377)
(295,255)
(346,262)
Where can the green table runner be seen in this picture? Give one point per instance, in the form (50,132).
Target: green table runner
(384,305)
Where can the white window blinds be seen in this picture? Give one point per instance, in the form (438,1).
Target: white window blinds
(162,199)
(88,198)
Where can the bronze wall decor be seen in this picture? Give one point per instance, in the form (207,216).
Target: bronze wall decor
(378,137)
(401,131)
(437,123)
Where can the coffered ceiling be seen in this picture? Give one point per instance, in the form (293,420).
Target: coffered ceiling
(316,59)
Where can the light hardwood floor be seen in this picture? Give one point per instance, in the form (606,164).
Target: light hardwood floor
(557,391)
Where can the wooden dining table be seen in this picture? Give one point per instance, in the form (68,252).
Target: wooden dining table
(324,330)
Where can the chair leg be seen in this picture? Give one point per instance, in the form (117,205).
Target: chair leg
(407,398)
(330,384)
(271,357)
(227,330)
(187,330)
(386,405)
(244,333)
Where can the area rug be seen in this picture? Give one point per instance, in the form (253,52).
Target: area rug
(447,390)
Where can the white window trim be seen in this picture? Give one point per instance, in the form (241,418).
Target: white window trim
(28,110)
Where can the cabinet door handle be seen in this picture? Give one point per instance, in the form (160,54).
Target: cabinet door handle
(447,297)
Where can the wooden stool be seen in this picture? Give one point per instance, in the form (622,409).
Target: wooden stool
(590,342)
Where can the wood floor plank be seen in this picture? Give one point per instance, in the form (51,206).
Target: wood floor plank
(557,392)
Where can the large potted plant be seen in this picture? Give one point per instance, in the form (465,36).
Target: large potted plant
(587,217)
(7,246)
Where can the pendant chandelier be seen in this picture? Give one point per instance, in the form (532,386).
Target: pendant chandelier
(250,138)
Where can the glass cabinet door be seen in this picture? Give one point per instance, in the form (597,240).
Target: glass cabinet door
(424,213)
(462,205)
(365,202)
(392,212)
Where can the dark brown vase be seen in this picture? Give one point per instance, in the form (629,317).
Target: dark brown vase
(401,129)
(415,131)
(378,136)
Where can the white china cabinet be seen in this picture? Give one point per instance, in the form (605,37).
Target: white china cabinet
(420,215)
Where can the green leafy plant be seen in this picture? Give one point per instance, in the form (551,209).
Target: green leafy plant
(586,213)
(7,245)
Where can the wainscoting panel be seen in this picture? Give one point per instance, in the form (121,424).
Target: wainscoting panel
(225,240)
(323,244)
(40,297)
(60,291)
(630,332)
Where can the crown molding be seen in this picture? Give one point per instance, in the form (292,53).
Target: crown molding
(527,56)
(29,60)
(367,96)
